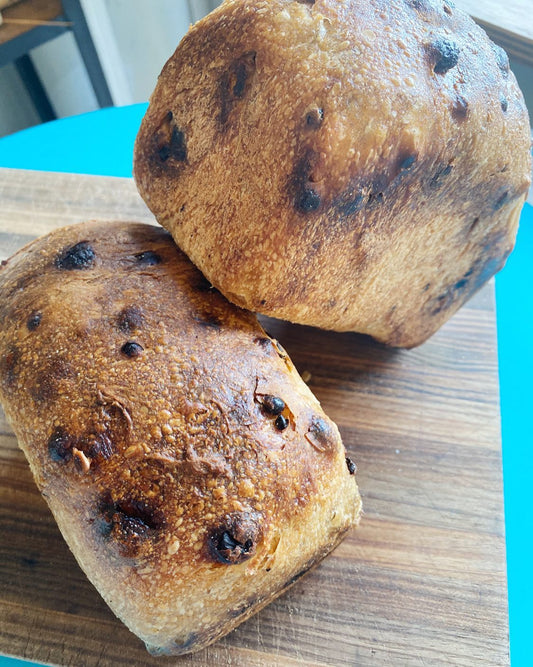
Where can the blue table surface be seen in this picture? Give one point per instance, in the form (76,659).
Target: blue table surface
(101,142)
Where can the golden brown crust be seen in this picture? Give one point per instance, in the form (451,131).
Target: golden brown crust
(190,469)
(353,165)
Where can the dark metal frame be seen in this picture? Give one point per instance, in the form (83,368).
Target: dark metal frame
(35,88)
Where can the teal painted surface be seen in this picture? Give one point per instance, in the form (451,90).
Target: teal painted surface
(99,143)
(514,310)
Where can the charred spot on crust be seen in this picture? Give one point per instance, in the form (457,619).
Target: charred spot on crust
(8,366)
(380,183)
(502,59)
(473,225)
(314,118)
(21,284)
(272,405)
(34,320)
(304,196)
(447,7)
(128,529)
(374,198)
(138,509)
(234,83)
(439,176)
(308,201)
(262,341)
(130,319)
(235,540)
(372,194)
(419,5)
(47,381)
(169,141)
(352,468)
(320,436)
(428,6)
(486,269)
(268,346)
(230,550)
(471,281)
(281,422)
(501,200)
(176,147)
(129,522)
(240,80)
(504,103)
(162,134)
(350,206)
(460,108)
(148,258)
(77,257)
(60,445)
(132,349)
(453,293)
(443,54)
(306,2)
(442,302)
(406,160)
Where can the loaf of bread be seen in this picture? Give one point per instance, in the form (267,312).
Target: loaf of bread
(190,469)
(356,165)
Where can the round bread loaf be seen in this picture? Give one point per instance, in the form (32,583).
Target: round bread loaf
(190,469)
(354,165)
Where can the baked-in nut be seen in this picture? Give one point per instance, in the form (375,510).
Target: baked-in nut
(355,165)
(146,405)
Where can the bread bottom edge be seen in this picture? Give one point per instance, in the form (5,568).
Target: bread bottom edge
(198,641)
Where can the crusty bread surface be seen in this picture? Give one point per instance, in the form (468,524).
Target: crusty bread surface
(354,165)
(190,469)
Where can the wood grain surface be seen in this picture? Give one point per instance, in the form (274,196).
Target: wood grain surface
(421,582)
(25,15)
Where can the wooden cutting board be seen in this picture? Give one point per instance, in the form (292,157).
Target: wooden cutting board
(421,582)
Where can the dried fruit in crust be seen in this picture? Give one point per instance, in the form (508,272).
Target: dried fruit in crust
(354,165)
(148,408)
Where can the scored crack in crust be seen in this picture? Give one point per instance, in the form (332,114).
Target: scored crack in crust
(191,471)
(356,165)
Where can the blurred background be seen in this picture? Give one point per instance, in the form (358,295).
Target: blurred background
(131,40)
(63,58)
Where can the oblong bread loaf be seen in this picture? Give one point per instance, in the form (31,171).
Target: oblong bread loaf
(190,469)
